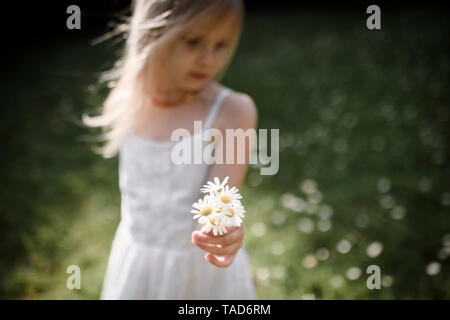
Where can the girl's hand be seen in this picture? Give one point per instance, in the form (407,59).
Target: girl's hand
(225,245)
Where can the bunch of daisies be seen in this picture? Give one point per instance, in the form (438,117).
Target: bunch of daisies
(220,207)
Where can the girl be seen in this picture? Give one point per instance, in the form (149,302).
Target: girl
(175,54)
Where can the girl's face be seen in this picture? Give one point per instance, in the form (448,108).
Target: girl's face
(198,53)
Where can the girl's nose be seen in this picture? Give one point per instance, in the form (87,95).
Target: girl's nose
(207,57)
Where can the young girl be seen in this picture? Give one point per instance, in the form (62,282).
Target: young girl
(175,53)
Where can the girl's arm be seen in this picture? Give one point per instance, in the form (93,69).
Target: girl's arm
(239,111)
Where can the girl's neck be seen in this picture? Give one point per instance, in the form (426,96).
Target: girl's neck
(170,98)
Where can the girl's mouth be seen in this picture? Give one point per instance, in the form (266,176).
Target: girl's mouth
(199,76)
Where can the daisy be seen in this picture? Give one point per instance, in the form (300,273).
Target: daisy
(203,207)
(233,215)
(214,222)
(229,197)
(214,187)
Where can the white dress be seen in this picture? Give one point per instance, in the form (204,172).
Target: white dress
(152,256)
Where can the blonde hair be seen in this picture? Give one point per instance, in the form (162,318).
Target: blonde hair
(152,24)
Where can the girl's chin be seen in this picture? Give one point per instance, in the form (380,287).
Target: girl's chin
(197,84)
(199,81)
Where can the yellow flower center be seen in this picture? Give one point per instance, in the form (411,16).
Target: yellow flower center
(225,198)
(232,212)
(214,221)
(204,211)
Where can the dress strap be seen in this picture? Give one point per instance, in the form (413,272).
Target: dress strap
(214,110)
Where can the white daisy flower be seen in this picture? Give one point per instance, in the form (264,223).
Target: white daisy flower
(214,222)
(233,214)
(203,207)
(214,187)
(229,197)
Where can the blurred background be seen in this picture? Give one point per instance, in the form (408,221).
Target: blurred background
(364,179)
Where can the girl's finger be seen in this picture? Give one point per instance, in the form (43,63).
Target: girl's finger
(211,232)
(221,251)
(220,262)
(227,239)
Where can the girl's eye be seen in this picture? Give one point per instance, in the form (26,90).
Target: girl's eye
(221,45)
(192,41)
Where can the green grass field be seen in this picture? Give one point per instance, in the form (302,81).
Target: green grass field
(364,161)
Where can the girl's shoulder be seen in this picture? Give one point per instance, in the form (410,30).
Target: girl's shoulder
(238,111)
